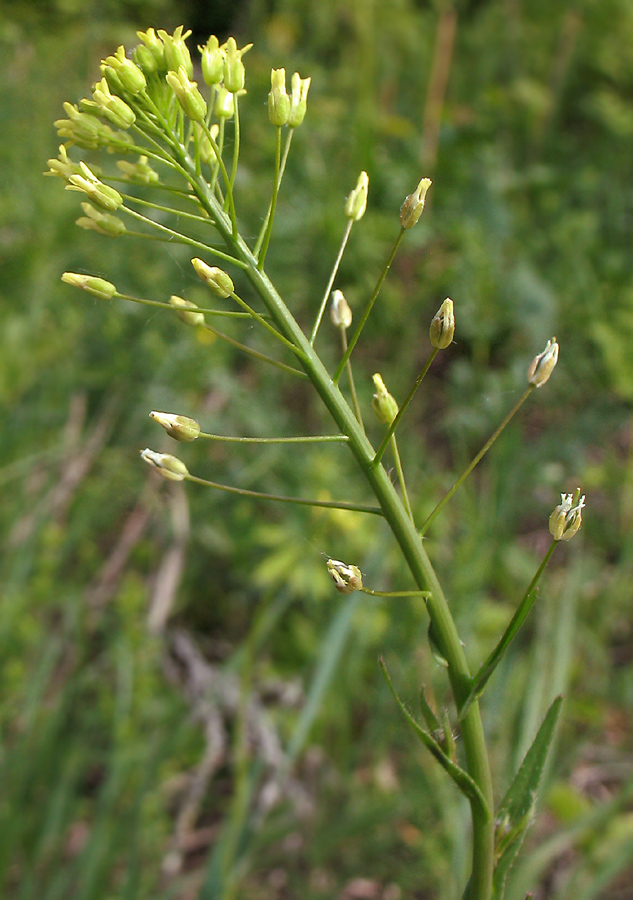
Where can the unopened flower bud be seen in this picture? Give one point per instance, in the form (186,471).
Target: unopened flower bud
(153,47)
(217,279)
(278,99)
(169,466)
(356,203)
(186,311)
(112,107)
(340,313)
(542,365)
(347,579)
(101,222)
(205,147)
(566,519)
(411,209)
(83,129)
(212,61)
(234,74)
(224,103)
(176,51)
(140,172)
(298,100)
(98,287)
(383,402)
(181,428)
(63,166)
(127,73)
(443,326)
(104,196)
(189,97)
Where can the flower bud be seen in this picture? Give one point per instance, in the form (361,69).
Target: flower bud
(443,326)
(176,51)
(103,223)
(298,100)
(112,107)
(83,129)
(224,104)
(234,74)
(340,313)
(153,47)
(383,402)
(566,519)
(212,61)
(356,203)
(411,209)
(127,74)
(347,579)
(278,99)
(63,166)
(98,287)
(217,279)
(140,172)
(542,365)
(205,148)
(186,311)
(169,466)
(189,97)
(181,428)
(101,194)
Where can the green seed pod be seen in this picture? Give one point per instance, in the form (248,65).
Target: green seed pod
(98,287)
(443,326)
(153,46)
(140,172)
(186,311)
(356,203)
(224,104)
(347,579)
(413,205)
(217,279)
(383,402)
(169,466)
(181,428)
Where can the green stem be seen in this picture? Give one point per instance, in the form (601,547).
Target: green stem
(350,378)
(216,168)
(236,143)
(282,169)
(273,202)
(262,321)
(225,176)
(440,506)
(402,410)
(400,472)
(299,501)
(335,268)
(222,313)
(179,213)
(369,306)
(529,598)
(371,593)
(310,439)
(181,238)
(403,531)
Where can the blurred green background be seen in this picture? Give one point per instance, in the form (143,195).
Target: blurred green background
(187,710)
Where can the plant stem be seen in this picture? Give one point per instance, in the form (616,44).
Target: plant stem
(371,593)
(440,506)
(326,294)
(310,439)
(273,202)
(350,377)
(327,504)
(403,531)
(282,169)
(402,410)
(400,472)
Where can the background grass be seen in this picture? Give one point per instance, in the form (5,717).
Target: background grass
(186,709)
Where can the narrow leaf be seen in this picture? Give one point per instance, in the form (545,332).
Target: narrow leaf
(462,779)
(517,807)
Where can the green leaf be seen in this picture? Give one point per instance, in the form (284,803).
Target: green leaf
(517,807)
(462,779)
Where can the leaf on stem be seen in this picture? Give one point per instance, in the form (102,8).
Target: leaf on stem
(517,807)
(462,779)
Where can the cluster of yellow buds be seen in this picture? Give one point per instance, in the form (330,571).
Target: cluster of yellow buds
(284,109)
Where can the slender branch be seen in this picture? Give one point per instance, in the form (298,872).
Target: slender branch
(529,598)
(403,408)
(262,321)
(350,378)
(282,169)
(168,209)
(328,504)
(400,471)
(368,308)
(273,202)
(236,142)
(371,593)
(335,268)
(440,506)
(309,439)
(221,313)
(225,176)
